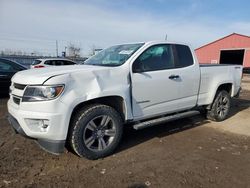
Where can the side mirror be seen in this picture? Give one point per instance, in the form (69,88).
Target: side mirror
(137,68)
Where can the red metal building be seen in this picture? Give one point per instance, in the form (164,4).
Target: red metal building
(232,49)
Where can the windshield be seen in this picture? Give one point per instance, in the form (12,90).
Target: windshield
(113,56)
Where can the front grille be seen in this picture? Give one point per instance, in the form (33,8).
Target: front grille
(19,86)
(16,100)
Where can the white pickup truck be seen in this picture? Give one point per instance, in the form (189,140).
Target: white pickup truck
(139,84)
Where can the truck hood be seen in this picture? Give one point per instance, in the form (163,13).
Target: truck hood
(40,75)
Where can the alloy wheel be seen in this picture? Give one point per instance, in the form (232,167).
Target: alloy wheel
(99,133)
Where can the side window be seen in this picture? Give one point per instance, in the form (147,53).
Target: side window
(58,62)
(5,67)
(48,62)
(158,57)
(183,56)
(68,63)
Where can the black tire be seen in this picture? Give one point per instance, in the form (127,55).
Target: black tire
(95,131)
(220,107)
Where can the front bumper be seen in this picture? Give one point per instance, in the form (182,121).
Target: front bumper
(51,146)
(52,138)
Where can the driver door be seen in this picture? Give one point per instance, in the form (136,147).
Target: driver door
(155,82)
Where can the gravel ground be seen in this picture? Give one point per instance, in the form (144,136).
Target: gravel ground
(192,152)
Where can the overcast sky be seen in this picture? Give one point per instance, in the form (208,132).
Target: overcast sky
(35,25)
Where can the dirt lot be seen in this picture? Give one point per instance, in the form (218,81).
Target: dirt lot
(192,152)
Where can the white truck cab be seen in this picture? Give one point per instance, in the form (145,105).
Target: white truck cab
(139,83)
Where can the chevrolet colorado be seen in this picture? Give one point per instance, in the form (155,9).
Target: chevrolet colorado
(140,84)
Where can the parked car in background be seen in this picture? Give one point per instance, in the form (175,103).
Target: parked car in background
(41,63)
(7,70)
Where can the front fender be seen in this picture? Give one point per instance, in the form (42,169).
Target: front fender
(80,88)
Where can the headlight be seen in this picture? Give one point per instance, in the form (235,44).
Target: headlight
(42,93)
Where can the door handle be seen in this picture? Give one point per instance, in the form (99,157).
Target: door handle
(173,77)
(3,76)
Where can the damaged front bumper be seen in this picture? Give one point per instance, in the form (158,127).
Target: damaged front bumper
(51,146)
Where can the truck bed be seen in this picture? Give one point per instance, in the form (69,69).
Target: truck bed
(213,75)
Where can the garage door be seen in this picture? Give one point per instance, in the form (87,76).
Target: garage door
(235,57)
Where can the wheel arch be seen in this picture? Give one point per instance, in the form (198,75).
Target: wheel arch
(227,86)
(115,101)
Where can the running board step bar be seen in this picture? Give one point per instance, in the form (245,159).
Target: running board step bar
(164,119)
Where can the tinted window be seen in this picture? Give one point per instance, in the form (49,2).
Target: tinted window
(58,62)
(49,62)
(6,67)
(54,62)
(183,56)
(68,63)
(158,57)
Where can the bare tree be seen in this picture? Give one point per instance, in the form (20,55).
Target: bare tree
(94,50)
(73,50)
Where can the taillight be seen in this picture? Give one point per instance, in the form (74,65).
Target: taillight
(38,66)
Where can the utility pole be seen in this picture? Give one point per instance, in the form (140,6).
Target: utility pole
(166,37)
(56,48)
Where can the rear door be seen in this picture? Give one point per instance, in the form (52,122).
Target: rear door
(155,82)
(189,75)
